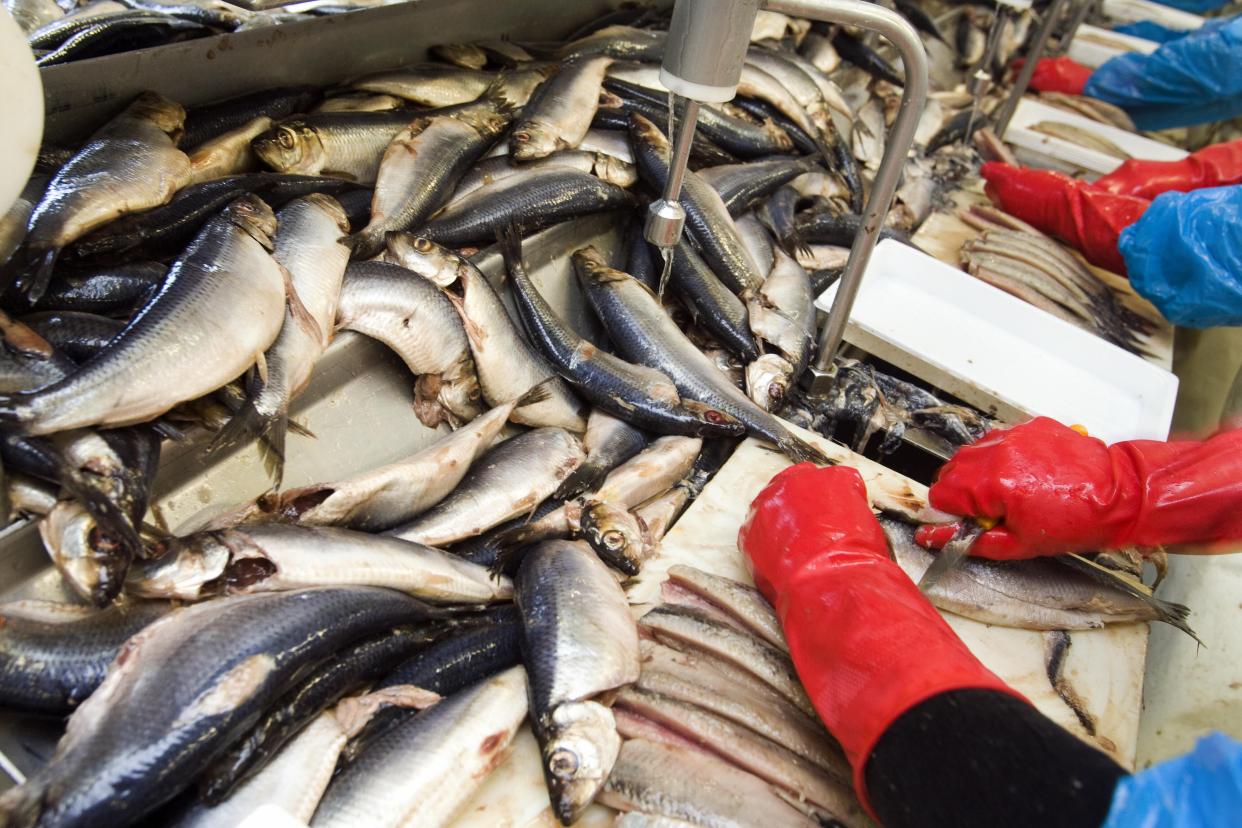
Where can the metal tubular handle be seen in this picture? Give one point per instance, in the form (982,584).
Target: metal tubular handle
(1051,17)
(1077,18)
(901,34)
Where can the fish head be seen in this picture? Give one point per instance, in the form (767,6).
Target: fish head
(291,148)
(434,263)
(579,751)
(768,379)
(618,537)
(533,139)
(614,170)
(645,133)
(168,116)
(194,567)
(716,423)
(252,215)
(93,562)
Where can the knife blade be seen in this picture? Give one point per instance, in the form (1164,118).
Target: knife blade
(953,553)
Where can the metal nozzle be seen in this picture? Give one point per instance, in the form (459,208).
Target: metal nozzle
(664,222)
(666,217)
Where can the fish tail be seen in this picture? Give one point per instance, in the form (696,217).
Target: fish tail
(364,244)
(584,478)
(510,241)
(1175,615)
(541,392)
(800,451)
(250,423)
(34,285)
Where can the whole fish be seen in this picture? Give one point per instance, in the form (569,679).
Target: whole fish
(742,186)
(421,771)
(384,497)
(579,640)
(511,479)
(130,164)
(1035,595)
(707,219)
(108,34)
(182,689)
(864,57)
(712,305)
(609,441)
(559,114)
(529,201)
(508,365)
(691,784)
(229,153)
(342,144)
(52,656)
(602,165)
(174,349)
(420,168)
(640,395)
(642,331)
(416,320)
(355,667)
(308,246)
(276,557)
(202,123)
(429,84)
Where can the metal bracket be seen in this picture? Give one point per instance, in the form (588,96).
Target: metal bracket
(903,36)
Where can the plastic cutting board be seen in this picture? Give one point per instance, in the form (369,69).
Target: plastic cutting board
(1031,112)
(999,353)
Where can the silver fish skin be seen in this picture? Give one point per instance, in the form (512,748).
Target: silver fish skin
(175,348)
(742,186)
(381,498)
(53,655)
(802,780)
(608,442)
(342,144)
(559,114)
(294,781)
(229,153)
(182,688)
(579,640)
(507,365)
(692,628)
(413,317)
(511,479)
(691,784)
(420,168)
(713,305)
(644,332)
(530,200)
(308,246)
(624,42)
(429,84)
(744,603)
(600,164)
(783,312)
(132,163)
(421,771)
(360,102)
(768,380)
(651,472)
(757,241)
(707,218)
(659,513)
(276,557)
(1033,595)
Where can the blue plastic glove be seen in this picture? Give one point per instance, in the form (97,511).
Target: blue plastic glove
(1191,80)
(1195,6)
(1149,30)
(1202,788)
(1185,256)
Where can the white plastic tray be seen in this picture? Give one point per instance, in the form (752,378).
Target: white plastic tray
(1134,11)
(999,353)
(1093,46)
(1031,111)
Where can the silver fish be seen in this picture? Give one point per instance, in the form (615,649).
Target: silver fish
(782,313)
(175,348)
(229,153)
(559,114)
(429,84)
(579,640)
(308,246)
(342,144)
(424,769)
(276,557)
(413,317)
(510,480)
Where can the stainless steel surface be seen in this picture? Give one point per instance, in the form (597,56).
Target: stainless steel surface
(1051,16)
(980,82)
(83,94)
(1079,15)
(665,220)
(707,42)
(897,146)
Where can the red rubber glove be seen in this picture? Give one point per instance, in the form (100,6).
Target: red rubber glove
(1083,217)
(1216,166)
(866,643)
(1059,74)
(1058,491)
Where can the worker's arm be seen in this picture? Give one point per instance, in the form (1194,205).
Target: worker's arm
(933,736)
(1055,490)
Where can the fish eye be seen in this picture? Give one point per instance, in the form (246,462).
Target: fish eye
(286,139)
(521,136)
(776,391)
(613,539)
(713,416)
(563,763)
(423,245)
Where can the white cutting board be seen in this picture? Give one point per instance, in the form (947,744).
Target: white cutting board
(1135,11)
(1030,112)
(997,352)
(1093,46)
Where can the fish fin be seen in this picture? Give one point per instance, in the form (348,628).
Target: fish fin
(249,423)
(538,393)
(34,285)
(474,332)
(298,311)
(509,238)
(364,244)
(301,430)
(800,451)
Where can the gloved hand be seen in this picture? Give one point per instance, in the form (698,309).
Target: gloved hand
(1056,491)
(1087,219)
(1059,74)
(1214,166)
(867,645)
